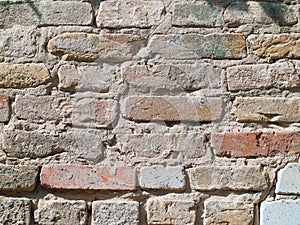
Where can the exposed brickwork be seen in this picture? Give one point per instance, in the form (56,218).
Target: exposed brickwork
(151,112)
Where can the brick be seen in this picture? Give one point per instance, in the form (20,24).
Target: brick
(87,177)
(18,178)
(255,144)
(231,209)
(15,210)
(94,113)
(267,109)
(195,46)
(46,13)
(275,46)
(189,77)
(61,212)
(115,212)
(171,210)
(18,43)
(86,78)
(200,14)
(84,143)
(262,13)
(280,212)
(95,47)
(237,178)
(4,108)
(262,76)
(23,75)
(173,109)
(130,13)
(160,177)
(186,145)
(288,179)
(36,108)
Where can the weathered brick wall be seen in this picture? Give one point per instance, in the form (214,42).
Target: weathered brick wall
(158,112)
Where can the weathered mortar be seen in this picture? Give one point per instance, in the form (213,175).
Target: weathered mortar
(149,112)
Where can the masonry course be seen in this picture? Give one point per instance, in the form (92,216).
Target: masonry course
(149,112)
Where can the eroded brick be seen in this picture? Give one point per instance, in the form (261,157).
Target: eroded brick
(4,108)
(160,177)
(197,14)
(263,76)
(88,177)
(176,109)
(46,13)
(267,109)
(23,75)
(266,13)
(238,178)
(115,212)
(84,143)
(15,210)
(61,212)
(18,178)
(232,209)
(275,46)
(175,76)
(255,144)
(174,209)
(86,78)
(95,47)
(130,13)
(195,46)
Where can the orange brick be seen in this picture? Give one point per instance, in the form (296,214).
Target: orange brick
(88,177)
(255,144)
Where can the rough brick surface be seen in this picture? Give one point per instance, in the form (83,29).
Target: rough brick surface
(208,178)
(84,143)
(156,145)
(197,14)
(37,108)
(177,109)
(130,13)
(86,78)
(18,43)
(15,210)
(88,177)
(95,47)
(160,177)
(18,178)
(194,46)
(42,13)
(254,144)
(262,76)
(170,210)
(288,179)
(23,75)
(4,108)
(119,212)
(275,46)
(267,109)
(91,112)
(180,76)
(266,13)
(61,212)
(232,209)
(280,212)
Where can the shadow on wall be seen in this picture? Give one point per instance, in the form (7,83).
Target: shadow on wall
(273,10)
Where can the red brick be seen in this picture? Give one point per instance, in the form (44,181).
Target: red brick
(4,108)
(254,144)
(88,177)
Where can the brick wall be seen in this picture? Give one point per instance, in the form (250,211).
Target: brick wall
(158,112)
